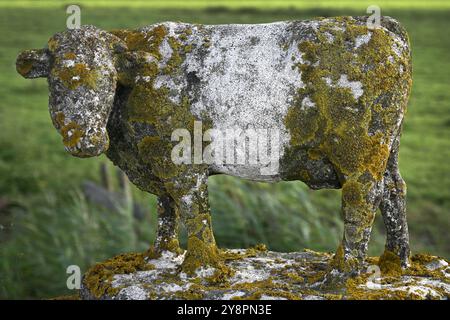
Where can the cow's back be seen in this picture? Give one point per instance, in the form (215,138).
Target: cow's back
(293,77)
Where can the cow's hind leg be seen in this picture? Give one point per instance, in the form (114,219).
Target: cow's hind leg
(360,200)
(168,223)
(393,210)
(191,195)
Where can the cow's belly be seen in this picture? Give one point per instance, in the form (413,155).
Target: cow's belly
(246,81)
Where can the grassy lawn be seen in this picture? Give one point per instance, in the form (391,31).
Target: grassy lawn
(53,226)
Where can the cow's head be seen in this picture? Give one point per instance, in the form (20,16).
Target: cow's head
(80,67)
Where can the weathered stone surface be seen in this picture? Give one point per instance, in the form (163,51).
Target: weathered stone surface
(265,275)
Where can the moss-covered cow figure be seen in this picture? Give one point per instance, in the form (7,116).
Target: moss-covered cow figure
(335,90)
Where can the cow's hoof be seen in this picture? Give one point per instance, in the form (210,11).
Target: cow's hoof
(340,269)
(334,279)
(156,252)
(201,255)
(393,264)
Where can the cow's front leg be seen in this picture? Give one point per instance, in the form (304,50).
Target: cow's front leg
(191,195)
(360,200)
(168,223)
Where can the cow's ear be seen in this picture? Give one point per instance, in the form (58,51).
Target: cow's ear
(34,63)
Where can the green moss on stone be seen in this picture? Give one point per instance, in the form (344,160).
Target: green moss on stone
(98,278)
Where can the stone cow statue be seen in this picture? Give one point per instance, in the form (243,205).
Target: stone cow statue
(334,90)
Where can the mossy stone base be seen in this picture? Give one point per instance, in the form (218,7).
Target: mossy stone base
(256,273)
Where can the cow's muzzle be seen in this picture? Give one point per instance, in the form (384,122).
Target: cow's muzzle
(84,143)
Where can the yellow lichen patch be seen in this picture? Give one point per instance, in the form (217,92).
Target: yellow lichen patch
(419,264)
(148,104)
(76,75)
(376,156)
(342,263)
(356,289)
(59,119)
(148,41)
(175,60)
(72,134)
(24,67)
(221,276)
(152,253)
(98,138)
(196,225)
(314,154)
(316,277)
(423,258)
(52,44)
(173,245)
(70,56)
(178,52)
(351,193)
(201,254)
(394,287)
(317,253)
(390,264)
(261,293)
(257,248)
(228,255)
(372,260)
(294,277)
(156,151)
(301,134)
(266,287)
(98,278)
(193,293)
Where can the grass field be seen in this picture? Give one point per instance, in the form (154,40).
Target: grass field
(51,225)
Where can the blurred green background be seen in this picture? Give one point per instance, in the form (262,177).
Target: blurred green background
(47,224)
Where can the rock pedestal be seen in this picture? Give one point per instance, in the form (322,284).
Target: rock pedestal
(259,274)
